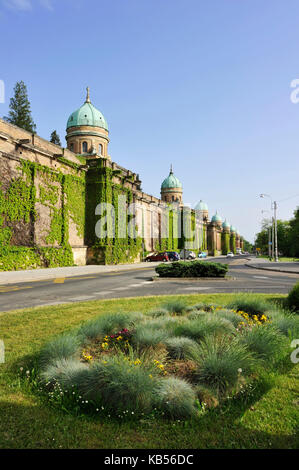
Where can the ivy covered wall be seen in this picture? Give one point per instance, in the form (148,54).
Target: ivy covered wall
(37,206)
(102,188)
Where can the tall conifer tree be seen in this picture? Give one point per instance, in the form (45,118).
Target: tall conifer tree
(20,110)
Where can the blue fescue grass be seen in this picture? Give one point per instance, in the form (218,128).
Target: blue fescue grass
(220,362)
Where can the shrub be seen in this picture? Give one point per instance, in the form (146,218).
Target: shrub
(286,323)
(63,347)
(176,398)
(193,315)
(265,342)
(176,307)
(203,326)
(293,298)
(66,372)
(221,361)
(146,336)
(119,385)
(159,312)
(108,323)
(192,269)
(229,315)
(252,306)
(179,347)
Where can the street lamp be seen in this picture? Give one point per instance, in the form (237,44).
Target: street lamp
(273,207)
(270,242)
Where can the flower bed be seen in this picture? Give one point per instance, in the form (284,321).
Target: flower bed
(174,361)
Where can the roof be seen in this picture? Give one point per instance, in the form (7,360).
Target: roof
(87,115)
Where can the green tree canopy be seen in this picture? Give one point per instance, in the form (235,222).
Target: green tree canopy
(55,139)
(294,234)
(19,109)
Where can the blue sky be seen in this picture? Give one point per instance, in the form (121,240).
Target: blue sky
(204,85)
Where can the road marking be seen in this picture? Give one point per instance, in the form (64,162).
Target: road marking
(128,270)
(83,297)
(59,280)
(121,288)
(196,288)
(74,278)
(261,277)
(103,292)
(13,288)
(58,302)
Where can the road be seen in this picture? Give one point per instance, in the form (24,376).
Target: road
(138,282)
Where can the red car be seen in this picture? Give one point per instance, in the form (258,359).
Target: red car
(158,257)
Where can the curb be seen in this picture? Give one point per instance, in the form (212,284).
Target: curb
(194,279)
(272,270)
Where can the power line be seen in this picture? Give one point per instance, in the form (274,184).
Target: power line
(288,198)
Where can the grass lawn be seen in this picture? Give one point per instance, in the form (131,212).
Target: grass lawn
(268,418)
(284,259)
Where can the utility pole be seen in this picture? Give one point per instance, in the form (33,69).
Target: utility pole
(275,224)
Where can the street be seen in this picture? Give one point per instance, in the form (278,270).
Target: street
(137,282)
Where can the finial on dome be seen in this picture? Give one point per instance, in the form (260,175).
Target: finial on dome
(171,172)
(87,96)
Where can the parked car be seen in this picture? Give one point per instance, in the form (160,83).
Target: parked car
(187,254)
(173,256)
(202,255)
(163,256)
(230,255)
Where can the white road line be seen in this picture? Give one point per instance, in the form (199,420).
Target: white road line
(121,288)
(197,288)
(59,302)
(83,297)
(103,292)
(135,285)
(261,277)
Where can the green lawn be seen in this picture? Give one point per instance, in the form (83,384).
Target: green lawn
(268,418)
(283,259)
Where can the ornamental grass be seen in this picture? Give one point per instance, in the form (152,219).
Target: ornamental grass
(172,360)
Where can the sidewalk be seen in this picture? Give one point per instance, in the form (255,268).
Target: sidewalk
(16,277)
(262,263)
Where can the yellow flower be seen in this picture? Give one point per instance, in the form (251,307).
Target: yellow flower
(105,345)
(118,338)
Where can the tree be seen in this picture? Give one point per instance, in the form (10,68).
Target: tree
(247,246)
(19,109)
(283,234)
(294,234)
(55,139)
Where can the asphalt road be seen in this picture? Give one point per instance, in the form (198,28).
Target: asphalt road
(137,282)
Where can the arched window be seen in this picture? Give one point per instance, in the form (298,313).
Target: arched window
(100,149)
(84,147)
(72,147)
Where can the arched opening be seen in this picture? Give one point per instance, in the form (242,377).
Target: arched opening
(100,149)
(84,147)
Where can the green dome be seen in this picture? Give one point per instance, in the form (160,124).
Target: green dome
(216,218)
(232,228)
(87,115)
(201,206)
(226,224)
(171,182)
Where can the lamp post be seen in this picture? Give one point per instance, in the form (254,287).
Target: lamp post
(270,242)
(274,227)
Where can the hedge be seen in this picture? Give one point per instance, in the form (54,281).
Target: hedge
(192,269)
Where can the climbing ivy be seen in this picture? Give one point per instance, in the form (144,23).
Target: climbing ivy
(225,243)
(63,195)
